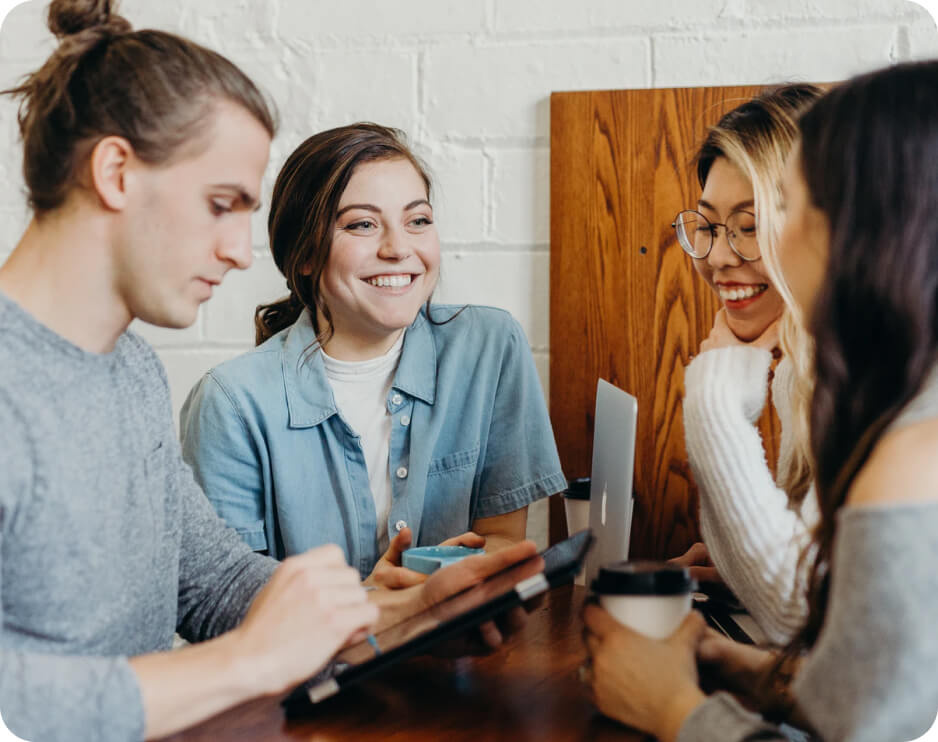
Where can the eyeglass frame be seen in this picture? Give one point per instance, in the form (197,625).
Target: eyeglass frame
(713,237)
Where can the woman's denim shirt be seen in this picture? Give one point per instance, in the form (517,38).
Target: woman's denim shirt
(470,438)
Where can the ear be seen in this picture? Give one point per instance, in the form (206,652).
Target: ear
(109,163)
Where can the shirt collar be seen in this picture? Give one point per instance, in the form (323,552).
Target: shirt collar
(416,373)
(309,394)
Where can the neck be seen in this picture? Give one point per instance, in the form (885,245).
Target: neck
(348,346)
(62,273)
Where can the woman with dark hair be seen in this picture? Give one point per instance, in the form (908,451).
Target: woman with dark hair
(859,253)
(367,416)
(752,539)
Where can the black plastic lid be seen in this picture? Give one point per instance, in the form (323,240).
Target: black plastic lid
(578,489)
(643,578)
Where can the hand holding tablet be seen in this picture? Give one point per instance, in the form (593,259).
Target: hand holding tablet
(451,602)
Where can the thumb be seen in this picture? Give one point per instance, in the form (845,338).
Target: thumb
(690,632)
(399,544)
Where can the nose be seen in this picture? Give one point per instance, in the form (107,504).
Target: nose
(235,247)
(393,245)
(721,254)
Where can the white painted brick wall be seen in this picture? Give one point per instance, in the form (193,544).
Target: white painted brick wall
(470,81)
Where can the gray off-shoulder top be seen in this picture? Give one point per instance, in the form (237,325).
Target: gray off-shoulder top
(873,674)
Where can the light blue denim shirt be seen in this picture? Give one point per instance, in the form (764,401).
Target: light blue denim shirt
(470,438)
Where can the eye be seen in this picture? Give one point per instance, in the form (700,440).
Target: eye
(218,208)
(421,221)
(365,225)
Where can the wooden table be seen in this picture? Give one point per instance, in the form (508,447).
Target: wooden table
(527,690)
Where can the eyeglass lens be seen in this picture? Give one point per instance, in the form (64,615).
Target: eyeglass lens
(696,233)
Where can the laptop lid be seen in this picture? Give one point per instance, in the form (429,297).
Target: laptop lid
(611,479)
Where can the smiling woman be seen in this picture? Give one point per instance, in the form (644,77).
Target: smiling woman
(751,536)
(368,416)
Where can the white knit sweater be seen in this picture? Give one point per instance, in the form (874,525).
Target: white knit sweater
(755,540)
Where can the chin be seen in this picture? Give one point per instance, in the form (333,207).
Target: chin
(748,330)
(179,319)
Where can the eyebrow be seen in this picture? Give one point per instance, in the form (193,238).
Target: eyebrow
(242,194)
(371,207)
(737,207)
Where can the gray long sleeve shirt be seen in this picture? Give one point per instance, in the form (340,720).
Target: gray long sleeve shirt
(107,545)
(871,676)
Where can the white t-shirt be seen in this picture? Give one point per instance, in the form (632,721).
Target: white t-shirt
(361,393)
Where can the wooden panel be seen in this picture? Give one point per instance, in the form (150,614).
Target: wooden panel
(626,304)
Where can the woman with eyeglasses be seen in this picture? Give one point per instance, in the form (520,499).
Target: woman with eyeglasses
(752,540)
(859,255)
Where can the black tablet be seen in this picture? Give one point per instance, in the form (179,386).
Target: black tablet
(451,617)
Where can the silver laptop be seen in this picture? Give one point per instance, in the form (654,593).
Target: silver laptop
(611,478)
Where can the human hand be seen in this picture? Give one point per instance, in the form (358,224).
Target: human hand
(389,573)
(698,563)
(738,668)
(449,581)
(646,683)
(312,606)
(721,336)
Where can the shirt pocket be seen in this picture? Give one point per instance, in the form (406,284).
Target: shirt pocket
(456,462)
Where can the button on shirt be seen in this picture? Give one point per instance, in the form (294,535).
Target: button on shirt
(265,439)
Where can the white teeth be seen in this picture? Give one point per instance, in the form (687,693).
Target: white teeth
(742,292)
(396,280)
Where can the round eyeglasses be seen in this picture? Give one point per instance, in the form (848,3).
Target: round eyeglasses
(696,234)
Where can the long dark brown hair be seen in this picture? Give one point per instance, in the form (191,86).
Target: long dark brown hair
(303,210)
(868,153)
(155,89)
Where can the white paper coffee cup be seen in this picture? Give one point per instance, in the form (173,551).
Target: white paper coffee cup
(652,598)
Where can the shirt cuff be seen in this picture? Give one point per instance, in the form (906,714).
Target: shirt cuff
(507,502)
(722,719)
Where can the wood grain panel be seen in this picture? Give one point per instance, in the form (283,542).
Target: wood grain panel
(626,304)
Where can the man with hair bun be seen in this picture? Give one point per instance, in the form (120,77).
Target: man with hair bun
(143,158)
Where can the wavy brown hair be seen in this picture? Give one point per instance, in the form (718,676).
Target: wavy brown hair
(155,89)
(868,152)
(303,211)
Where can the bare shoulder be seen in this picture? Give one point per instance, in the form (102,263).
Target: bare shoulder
(903,468)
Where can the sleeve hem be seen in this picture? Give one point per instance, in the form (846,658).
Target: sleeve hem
(721,718)
(519,497)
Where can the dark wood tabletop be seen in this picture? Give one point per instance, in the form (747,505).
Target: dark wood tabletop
(527,690)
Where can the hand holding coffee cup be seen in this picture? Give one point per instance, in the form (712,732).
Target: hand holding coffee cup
(652,598)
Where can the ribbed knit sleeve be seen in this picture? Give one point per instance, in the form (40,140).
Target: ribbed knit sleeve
(754,538)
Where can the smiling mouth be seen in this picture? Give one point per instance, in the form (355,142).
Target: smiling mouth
(393,280)
(739,293)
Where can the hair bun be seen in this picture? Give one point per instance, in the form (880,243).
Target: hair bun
(69,17)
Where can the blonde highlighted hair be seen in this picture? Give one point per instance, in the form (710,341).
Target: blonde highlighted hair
(757,138)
